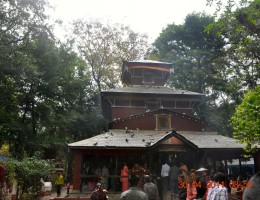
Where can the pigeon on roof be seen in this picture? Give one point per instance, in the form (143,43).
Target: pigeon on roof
(202,169)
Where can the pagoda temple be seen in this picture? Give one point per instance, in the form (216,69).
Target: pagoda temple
(149,122)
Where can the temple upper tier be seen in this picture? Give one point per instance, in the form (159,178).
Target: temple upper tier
(145,72)
(144,90)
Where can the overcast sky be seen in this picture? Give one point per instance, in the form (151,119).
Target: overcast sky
(144,16)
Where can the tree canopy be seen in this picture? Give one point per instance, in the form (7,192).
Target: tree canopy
(200,64)
(246,120)
(47,96)
(192,51)
(238,24)
(105,46)
(50,90)
(215,55)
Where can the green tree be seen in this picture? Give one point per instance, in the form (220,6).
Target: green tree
(20,21)
(105,47)
(200,62)
(46,89)
(246,120)
(238,23)
(28,173)
(194,53)
(56,99)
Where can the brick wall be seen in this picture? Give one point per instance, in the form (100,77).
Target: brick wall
(178,123)
(77,157)
(122,112)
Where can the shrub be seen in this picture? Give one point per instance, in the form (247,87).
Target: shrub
(28,173)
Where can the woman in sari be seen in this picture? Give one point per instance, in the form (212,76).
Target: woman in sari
(124,178)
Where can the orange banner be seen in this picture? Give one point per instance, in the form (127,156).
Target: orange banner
(150,67)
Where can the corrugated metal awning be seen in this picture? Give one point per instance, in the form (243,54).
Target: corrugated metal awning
(140,89)
(119,138)
(209,140)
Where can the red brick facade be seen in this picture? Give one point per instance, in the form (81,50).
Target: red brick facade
(134,110)
(178,123)
(77,159)
(122,112)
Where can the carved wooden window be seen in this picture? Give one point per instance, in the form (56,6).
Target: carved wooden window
(163,122)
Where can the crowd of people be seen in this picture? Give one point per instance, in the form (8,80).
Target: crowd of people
(202,184)
(177,182)
(137,183)
(139,188)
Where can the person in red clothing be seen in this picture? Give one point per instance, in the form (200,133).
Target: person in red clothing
(240,188)
(144,170)
(191,187)
(68,187)
(2,174)
(124,177)
(136,169)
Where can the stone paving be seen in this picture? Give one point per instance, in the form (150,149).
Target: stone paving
(54,194)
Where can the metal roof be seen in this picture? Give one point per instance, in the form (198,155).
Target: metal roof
(138,89)
(119,138)
(209,140)
(148,62)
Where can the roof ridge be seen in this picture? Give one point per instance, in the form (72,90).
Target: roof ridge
(156,111)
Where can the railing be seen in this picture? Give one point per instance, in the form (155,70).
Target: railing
(94,179)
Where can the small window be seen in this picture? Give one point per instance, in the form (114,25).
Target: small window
(152,105)
(147,77)
(137,72)
(139,103)
(168,104)
(121,102)
(183,104)
(158,74)
(163,122)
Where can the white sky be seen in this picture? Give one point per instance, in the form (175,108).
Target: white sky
(144,16)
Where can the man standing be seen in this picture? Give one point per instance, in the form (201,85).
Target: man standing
(134,192)
(216,190)
(182,193)
(105,174)
(150,189)
(252,191)
(59,182)
(98,193)
(174,174)
(165,180)
(202,182)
